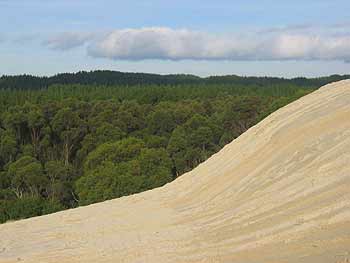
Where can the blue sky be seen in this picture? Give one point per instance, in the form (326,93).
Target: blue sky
(265,37)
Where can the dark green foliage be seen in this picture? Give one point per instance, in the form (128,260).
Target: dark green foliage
(76,139)
(122,168)
(70,129)
(155,167)
(8,147)
(178,148)
(112,78)
(27,207)
(108,181)
(117,152)
(27,176)
(60,182)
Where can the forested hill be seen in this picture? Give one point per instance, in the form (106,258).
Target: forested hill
(112,78)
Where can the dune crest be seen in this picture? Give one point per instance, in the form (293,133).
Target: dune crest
(278,193)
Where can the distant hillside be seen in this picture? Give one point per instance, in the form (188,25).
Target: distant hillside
(116,78)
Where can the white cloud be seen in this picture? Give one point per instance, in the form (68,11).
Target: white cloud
(25,39)
(69,40)
(291,43)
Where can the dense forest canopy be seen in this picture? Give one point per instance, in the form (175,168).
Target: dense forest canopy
(76,139)
(114,78)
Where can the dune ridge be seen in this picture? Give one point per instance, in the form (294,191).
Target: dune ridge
(278,193)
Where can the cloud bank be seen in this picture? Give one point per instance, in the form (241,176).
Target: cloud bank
(68,40)
(294,43)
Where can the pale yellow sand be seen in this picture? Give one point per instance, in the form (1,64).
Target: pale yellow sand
(279,193)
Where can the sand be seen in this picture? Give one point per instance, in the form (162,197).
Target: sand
(278,193)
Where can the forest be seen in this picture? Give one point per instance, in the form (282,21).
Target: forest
(80,138)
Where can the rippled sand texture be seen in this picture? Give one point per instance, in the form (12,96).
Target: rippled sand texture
(278,193)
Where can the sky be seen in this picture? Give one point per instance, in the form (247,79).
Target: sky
(252,37)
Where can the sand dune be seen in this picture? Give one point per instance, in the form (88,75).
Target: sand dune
(278,193)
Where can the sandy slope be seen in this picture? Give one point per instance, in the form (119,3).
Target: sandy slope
(279,193)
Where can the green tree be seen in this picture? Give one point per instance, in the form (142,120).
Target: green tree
(155,166)
(120,151)
(27,176)
(177,148)
(104,133)
(8,147)
(36,122)
(61,178)
(15,122)
(70,128)
(122,168)
(107,181)
(160,122)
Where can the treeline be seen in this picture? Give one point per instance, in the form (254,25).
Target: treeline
(116,78)
(143,94)
(71,145)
